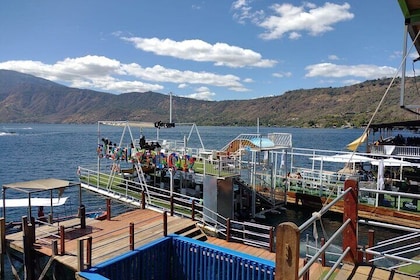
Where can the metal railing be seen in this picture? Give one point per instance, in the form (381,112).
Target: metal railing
(182,205)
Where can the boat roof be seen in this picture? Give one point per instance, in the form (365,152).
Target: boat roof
(411,13)
(40,185)
(411,125)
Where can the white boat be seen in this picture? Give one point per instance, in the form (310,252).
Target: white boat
(34,201)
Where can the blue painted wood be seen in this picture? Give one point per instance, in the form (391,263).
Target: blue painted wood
(177,257)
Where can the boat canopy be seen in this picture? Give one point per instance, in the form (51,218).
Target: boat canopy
(262,142)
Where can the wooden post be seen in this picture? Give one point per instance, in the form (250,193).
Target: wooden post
(108,209)
(54,248)
(2,245)
(306,275)
(227,229)
(323,262)
(89,252)
(80,264)
(165,223)
(82,212)
(271,246)
(371,243)
(193,210)
(143,200)
(350,212)
(27,249)
(131,229)
(31,231)
(172,205)
(62,241)
(287,251)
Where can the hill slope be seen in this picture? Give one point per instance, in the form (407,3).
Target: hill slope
(25,98)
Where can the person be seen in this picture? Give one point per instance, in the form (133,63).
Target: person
(41,215)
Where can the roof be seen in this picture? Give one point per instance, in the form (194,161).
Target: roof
(411,125)
(411,13)
(40,185)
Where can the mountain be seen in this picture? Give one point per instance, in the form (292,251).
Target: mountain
(25,98)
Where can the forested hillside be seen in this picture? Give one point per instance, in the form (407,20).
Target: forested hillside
(25,98)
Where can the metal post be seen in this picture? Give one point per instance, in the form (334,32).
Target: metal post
(143,200)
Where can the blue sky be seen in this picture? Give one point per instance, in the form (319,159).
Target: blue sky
(210,50)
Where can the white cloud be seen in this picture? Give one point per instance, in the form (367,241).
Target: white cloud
(340,71)
(221,54)
(287,18)
(102,73)
(282,74)
(202,93)
(333,57)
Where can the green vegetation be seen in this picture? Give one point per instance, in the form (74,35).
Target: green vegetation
(320,107)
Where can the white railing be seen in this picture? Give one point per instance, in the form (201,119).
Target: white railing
(162,199)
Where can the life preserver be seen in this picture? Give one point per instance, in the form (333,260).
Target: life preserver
(191,162)
(172,160)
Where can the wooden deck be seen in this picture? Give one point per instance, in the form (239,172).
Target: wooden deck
(109,238)
(370,273)
(380,214)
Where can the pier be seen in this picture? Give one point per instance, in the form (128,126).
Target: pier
(81,247)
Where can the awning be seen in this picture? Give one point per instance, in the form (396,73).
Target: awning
(393,162)
(344,158)
(39,185)
(262,142)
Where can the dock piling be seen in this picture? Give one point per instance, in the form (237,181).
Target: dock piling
(108,209)
(2,245)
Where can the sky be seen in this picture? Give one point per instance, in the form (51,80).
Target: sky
(209,50)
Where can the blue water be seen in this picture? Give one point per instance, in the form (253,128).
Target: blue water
(37,151)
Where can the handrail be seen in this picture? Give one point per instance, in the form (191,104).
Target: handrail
(181,206)
(288,236)
(337,263)
(324,209)
(323,248)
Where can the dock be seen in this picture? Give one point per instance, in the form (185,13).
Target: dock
(110,238)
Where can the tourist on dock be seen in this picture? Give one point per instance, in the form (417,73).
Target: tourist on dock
(41,215)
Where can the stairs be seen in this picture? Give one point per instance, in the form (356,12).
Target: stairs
(194,232)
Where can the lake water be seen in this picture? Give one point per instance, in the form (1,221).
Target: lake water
(36,151)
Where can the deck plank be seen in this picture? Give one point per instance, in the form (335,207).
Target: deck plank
(106,235)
